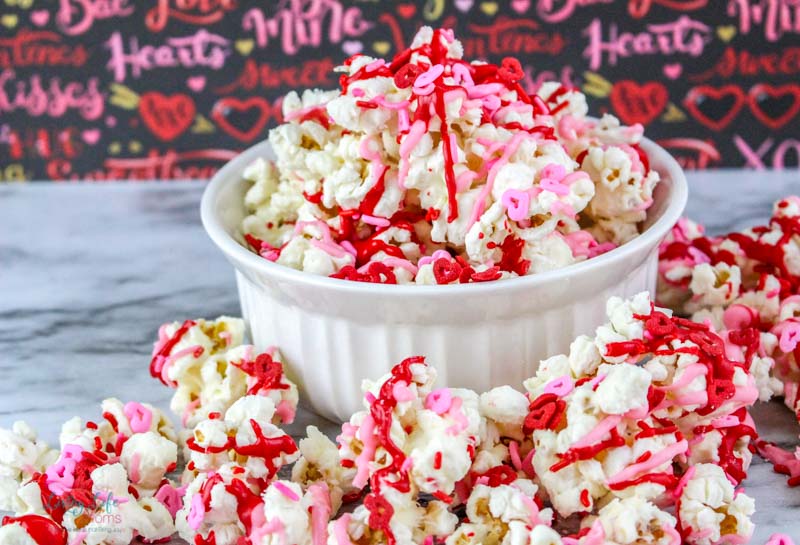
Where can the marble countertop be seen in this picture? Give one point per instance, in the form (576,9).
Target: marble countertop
(89,272)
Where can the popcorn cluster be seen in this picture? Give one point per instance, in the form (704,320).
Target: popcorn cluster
(429,169)
(639,434)
(746,286)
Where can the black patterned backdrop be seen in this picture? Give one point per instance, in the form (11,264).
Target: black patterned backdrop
(143,89)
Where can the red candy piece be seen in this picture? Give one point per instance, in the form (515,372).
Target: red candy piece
(267,372)
(41,529)
(446,271)
(544,413)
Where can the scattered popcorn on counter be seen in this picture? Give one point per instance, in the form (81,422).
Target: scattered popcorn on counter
(745,285)
(22,455)
(640,434)
(430,169)
(210,368)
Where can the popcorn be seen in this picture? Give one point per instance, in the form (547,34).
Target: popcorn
(431,155)
(505,514)
(710,510)
(210,368)
(664,391)
(630,521)
(244,435)
(22,455)
(640,434)
(744,285)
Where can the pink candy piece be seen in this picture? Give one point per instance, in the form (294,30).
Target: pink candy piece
(517,203)
(779,539)
(439,401)
(170,498)
(139,416)
(552,176)
(423,85)
(286,491)
(402,392)
(790,336)
(197,512)
(560,386)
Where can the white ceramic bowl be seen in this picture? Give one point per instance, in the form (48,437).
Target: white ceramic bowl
(334,333)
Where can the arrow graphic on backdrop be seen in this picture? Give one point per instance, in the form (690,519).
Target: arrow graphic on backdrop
(596,85)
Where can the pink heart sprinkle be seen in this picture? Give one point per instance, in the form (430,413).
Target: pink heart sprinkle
(517,203)
(790,336)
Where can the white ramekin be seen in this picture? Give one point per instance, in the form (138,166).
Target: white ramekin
(335,333)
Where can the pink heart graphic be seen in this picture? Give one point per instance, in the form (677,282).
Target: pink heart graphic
(91,136)
(40,17)
(111,121)
(352,47)
(520,6)
(464,5)
(196,83)
(674,70)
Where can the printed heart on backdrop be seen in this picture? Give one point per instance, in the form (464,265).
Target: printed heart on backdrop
(726,33)
(638,103)
(406,11)
(774,105)
(464,5)
(381,47)
(242,119)
(352,47)
(489,8)
(673,70)
(166,116)
(196,83)
(520,6)
(40,17)
(91,136)
(244,47)
(715,107)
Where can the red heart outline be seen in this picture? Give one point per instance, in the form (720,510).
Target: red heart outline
(638,103)
(774,91)
(265,112)
(166,116)
(690,103)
